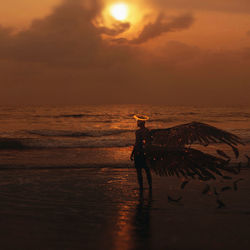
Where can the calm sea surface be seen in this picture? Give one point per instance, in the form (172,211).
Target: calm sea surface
(97,135)
(98,206)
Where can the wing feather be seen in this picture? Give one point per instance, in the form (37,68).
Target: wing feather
(187,134)
(187,163)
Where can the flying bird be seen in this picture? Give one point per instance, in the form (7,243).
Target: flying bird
(169,151)
(174,200)
(184,183)
(225,188)
(236,182)
(220,203)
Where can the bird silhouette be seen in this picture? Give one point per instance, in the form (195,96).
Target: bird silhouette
(225,188)
(184,183)
(170,199)
(220,203)
(236,182)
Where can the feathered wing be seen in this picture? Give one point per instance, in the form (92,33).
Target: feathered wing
(187,163)
(187,134)
(167,155)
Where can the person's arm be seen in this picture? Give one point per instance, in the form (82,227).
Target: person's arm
(132,156)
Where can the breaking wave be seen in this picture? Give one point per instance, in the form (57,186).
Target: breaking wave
(91,133)
(47,143)
(28,143)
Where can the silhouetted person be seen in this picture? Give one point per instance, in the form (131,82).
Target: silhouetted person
(138,154)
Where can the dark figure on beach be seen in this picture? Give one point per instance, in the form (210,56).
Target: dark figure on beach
(138,153)
(169,152)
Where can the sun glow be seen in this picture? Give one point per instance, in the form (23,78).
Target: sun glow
(119,11)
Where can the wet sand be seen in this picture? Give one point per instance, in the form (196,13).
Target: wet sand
(102,209)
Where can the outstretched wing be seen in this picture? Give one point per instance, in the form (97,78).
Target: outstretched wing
(187,134)
(187,163)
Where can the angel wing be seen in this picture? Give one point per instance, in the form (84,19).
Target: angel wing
(167,153)
(187,163)
(186,134)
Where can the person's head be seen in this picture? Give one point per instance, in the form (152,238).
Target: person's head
(141,120)
(141,124)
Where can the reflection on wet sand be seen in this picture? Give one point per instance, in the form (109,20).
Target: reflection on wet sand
(134,224)
(122,239)
(141,222)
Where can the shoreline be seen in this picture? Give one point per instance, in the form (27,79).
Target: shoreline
(102,208)
(81,158)
(85,166)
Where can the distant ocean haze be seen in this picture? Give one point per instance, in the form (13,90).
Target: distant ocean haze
(98,135)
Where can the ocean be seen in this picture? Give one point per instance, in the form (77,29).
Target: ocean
(67,182)
(98,136)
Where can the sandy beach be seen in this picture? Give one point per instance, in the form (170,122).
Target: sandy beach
(101,209)
(93,92)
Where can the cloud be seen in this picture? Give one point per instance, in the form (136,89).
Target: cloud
(117,29)
(61,37)
(4,32)
(160,26)
(69,37)
(62,58)
(240,6)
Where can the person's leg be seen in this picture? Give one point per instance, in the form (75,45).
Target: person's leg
(149,176)
(139,177)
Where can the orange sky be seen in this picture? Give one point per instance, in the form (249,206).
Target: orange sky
(168,51)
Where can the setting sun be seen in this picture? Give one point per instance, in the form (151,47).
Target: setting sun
(119,11)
